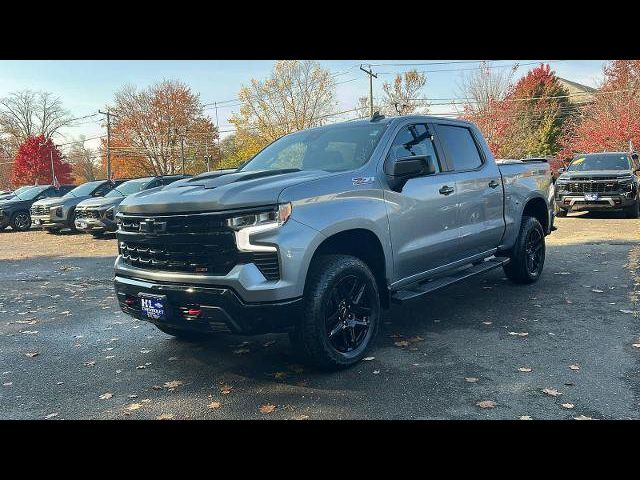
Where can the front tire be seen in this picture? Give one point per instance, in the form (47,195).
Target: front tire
(634,210)
(21,221)
(528,254)
(341,313)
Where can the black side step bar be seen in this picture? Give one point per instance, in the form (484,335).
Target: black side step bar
(418,289)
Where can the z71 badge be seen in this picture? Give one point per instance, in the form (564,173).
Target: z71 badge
(362,180)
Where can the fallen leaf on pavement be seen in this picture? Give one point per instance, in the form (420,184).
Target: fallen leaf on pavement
(631,312)
(165,416)
(551,391)
(636,345)
(574,367)
(525,417)
(519,334)
(172,385)
(241,351)
(595,290)
(267,408)
(90,363)
(376,372)
(301,417)
(487,323)
(106,396)
(171,359)
(524,369)
(582,417)
(140,367)
(280,375)
(368,359)
(225,389)
(51,415)
(214,405)
(401,343)
(486,404)
(133,406)
(568,405)
(470,379)
(269,343)
(32,354)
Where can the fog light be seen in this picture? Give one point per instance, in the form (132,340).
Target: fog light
(130,300)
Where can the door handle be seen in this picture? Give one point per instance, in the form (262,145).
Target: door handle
(446,190)
(493,184)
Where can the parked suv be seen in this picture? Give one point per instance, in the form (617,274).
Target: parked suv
(599,181)
(59,213)
(14,212)
(97,215)
(324,227)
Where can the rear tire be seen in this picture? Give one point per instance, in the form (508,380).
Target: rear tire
(21,221)
(633,211)
(528,254)
(341,313)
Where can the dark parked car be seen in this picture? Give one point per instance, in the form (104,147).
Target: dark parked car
(599,181)
(56,214)
(14,212)
(97,215)
(7,194)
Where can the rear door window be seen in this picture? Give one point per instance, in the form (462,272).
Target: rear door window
(460,147)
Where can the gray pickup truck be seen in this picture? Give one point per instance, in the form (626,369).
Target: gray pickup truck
(325,227)
(608,181)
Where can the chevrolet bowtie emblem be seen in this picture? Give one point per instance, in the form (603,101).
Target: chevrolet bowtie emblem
(149,225)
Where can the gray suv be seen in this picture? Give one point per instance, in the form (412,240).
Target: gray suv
(325,227)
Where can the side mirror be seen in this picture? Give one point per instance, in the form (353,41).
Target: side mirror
(634,156)
(562,170)
(403,169)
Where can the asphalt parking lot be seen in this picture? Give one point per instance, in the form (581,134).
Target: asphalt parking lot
(67,352)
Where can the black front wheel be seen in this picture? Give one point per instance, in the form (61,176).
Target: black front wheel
(341,312)
(528,254)
(21,221)
(634,210)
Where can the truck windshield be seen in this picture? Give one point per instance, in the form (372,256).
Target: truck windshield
(84,190)
(603,161)
(332,148)
(127,188)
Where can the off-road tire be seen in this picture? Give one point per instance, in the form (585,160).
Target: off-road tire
(520,268)
(634,210)
(310,338)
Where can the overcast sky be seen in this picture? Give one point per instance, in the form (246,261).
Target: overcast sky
(86,86)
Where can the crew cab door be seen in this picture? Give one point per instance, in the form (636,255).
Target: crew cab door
(423,214)
(478,186)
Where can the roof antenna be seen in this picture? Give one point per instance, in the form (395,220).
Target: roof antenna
(376,116)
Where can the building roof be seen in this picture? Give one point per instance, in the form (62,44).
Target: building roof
(579,93)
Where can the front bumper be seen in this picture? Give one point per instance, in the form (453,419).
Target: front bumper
(222,310)
(90,225)
(48,221)
(577,202)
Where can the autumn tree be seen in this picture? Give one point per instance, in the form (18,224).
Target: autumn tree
(27,114)
(297,95)
(400,97)
(153,124)
(611,120)
(84,162)
(33,163)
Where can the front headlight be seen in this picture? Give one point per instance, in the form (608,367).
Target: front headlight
(274,218)
(247,225)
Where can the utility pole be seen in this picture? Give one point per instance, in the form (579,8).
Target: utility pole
(109,115)
(182,148)
(206,156)
(53,172)
(371,77)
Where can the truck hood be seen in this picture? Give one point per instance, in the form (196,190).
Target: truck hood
(212,192)
(100,202)
(595,174)
(60,202)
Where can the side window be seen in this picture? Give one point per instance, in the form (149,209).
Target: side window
(154,183)
(413,140)
(103,189)
(460,146)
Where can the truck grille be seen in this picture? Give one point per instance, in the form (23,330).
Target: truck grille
(592,187)
(201,244)
(40,210)
(87,214)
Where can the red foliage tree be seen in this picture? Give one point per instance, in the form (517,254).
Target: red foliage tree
(612,119)
(33,163)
